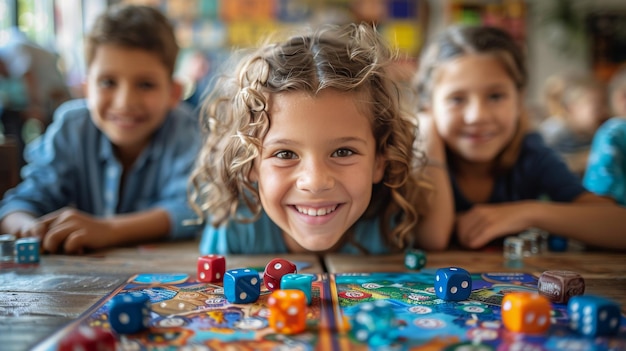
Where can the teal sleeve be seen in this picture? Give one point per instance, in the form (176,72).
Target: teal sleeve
(213,240)
(606,169)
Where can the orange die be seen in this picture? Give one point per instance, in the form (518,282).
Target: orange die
(526,312)
(287,311)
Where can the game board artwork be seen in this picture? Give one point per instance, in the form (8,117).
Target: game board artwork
(190,315)
(196,316)
(429,323)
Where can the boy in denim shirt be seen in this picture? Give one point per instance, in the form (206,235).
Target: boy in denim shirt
(112,169)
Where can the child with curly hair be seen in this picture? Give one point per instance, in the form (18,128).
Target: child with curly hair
(311,149)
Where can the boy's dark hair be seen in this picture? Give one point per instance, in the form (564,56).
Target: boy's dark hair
(134,27)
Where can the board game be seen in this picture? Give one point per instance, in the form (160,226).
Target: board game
(189,315)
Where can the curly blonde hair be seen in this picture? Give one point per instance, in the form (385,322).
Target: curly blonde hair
(352,58)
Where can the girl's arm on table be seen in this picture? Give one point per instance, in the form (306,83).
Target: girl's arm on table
(590,219)
(435,229)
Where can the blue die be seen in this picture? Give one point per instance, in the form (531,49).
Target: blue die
(27,250)
(453,284)
(242,285)
(593,315)
(373,321)
(130,312)
(301,282)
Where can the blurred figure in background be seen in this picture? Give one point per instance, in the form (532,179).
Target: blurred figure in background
(45,84)
(606,171)
(577,107)
(617,93)
(112,169)
(194,75)
(44,87)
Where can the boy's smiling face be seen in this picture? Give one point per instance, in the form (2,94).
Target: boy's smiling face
(317,167)
(129,92)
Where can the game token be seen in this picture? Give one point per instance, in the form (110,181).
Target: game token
(557,243)
(414,259)
(287,311)
(453,284)
(560,286)
(27,250)
(526,312)
(531,242)
(7,247)
(275,270)
(513,252)
(85,338)
(594,315)
(130,312)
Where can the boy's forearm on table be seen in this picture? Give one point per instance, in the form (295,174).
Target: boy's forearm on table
(150,225)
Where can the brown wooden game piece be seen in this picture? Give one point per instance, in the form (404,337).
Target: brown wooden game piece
(560,286)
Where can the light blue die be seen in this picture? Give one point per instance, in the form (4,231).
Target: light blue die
(242,285)
(130,312)
(373,320)
(593,315)
(301,282)
(453,284)
(27,250)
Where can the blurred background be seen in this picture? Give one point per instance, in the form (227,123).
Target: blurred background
(559,36)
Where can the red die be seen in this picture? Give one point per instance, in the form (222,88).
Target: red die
(274,272)
(211,268)
(85,338)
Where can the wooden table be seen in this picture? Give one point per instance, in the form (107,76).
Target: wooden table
(36,300)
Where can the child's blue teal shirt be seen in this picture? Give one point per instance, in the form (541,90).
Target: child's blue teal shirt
(265,237)
(606,167)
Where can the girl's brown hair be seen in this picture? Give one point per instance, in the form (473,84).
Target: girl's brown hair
(351,58)
(464,40)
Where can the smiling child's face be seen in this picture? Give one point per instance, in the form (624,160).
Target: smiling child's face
(476,106)
(129,93)
(317,167)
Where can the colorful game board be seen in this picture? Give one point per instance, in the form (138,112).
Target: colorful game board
(196,316)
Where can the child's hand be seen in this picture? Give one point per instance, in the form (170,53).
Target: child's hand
(31,227)
(72,231)
(484,223)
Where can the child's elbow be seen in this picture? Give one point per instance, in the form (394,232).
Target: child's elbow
(436,246)
(433,244)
